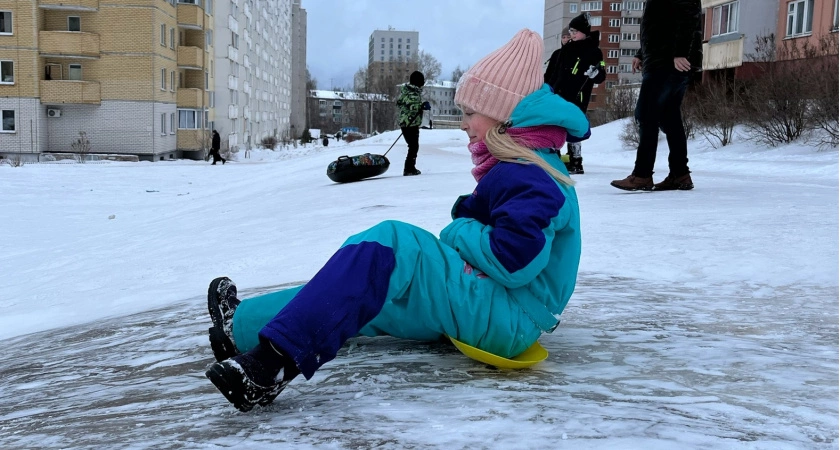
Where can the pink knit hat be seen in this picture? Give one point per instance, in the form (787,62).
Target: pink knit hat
(500,80)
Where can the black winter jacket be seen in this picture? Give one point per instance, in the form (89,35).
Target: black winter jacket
(565,72)
(671,29)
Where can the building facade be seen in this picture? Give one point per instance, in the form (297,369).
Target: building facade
(297,119)
(253,70)
(111,70)
(330,111)
(392,56)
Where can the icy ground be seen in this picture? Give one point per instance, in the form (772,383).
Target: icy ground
(704,319)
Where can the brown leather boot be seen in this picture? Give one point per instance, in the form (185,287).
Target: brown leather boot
(634,183)
(671,183)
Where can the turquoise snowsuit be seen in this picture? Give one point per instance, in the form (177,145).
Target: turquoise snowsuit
(499,276)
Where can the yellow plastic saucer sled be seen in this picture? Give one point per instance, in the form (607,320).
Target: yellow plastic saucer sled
(528,358)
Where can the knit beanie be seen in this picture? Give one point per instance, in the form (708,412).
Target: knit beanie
(417,78)
(581,23)
(499,81)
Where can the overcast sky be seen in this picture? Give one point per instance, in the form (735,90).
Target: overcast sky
(456,32)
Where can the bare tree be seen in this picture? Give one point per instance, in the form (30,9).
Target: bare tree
(429,65)
(457,73)
(360,80)
(81,146)
(311,83)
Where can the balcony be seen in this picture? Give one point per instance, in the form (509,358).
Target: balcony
(723,52)
(233,54)
(55,92)
(70,5)
(190,16)
(233,82)
(192,98)
(190,58)
(68,44)
(233,112)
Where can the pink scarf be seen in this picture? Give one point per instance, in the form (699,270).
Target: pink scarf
(542,136)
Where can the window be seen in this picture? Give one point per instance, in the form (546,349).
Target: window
(172,81)
(408,41)
(162,79)
(634,6)
(573,7)
(234,40)
(208,39)
(614,38)
(629,36)
(172,38)
(171,123)
(612,69)
(632,21)
(612,54)
(189,119)
(800,17)
(206,80)
(208,7)
(590,6)
(629,52)
(75,72)
(7,72)
(74,23)
(211,97)
(595,21)
(163,34)
(614,23)
(615,6)
(8,121)
(5,22)
(725,19)
(163,124)
(625,68)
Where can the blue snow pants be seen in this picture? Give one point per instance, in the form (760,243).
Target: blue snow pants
(392,279)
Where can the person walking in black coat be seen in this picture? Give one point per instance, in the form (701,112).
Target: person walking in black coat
(214,149)
(573,70)
(671,39)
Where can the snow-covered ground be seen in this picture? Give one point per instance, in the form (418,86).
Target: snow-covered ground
(702,319)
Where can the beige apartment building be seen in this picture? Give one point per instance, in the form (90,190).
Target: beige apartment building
(131,74)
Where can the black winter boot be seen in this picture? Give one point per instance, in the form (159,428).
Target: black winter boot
(253,378)
(576,163)
(222,303)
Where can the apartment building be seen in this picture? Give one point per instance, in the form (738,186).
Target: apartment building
(392,55)
(330,111)
(619,24)
(111,70)
(253,70)
(297,119)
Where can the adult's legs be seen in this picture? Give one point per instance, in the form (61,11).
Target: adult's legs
(647,116)
(672,124)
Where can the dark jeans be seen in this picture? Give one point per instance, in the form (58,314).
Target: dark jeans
(216,156)
(412,138)
(658,108)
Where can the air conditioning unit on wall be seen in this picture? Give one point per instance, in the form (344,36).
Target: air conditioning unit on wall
(53,113)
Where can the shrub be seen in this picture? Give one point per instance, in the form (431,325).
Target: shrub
(630,134)
(269,142)
(306,136)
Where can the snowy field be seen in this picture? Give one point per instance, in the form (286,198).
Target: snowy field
(702,319)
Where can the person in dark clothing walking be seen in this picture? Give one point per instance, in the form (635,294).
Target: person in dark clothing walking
(214,149)
(411,116)
(572,72)
(670,52)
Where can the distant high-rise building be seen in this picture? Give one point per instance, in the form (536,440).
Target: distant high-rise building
(392,56)
(297,119)
(253,70)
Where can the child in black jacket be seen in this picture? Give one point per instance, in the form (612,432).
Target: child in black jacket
(573,70)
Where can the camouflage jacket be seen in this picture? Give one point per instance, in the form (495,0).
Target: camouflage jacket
(411,106)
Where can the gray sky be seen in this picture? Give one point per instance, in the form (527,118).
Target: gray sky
(456,32)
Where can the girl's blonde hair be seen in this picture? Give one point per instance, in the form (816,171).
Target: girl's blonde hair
(504,148)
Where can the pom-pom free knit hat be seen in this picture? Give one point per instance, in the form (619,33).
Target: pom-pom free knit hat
(581,23)
(499,81)
(417,78)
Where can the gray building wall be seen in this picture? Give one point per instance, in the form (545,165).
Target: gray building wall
(297,116)
(29,123)
(253,81)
